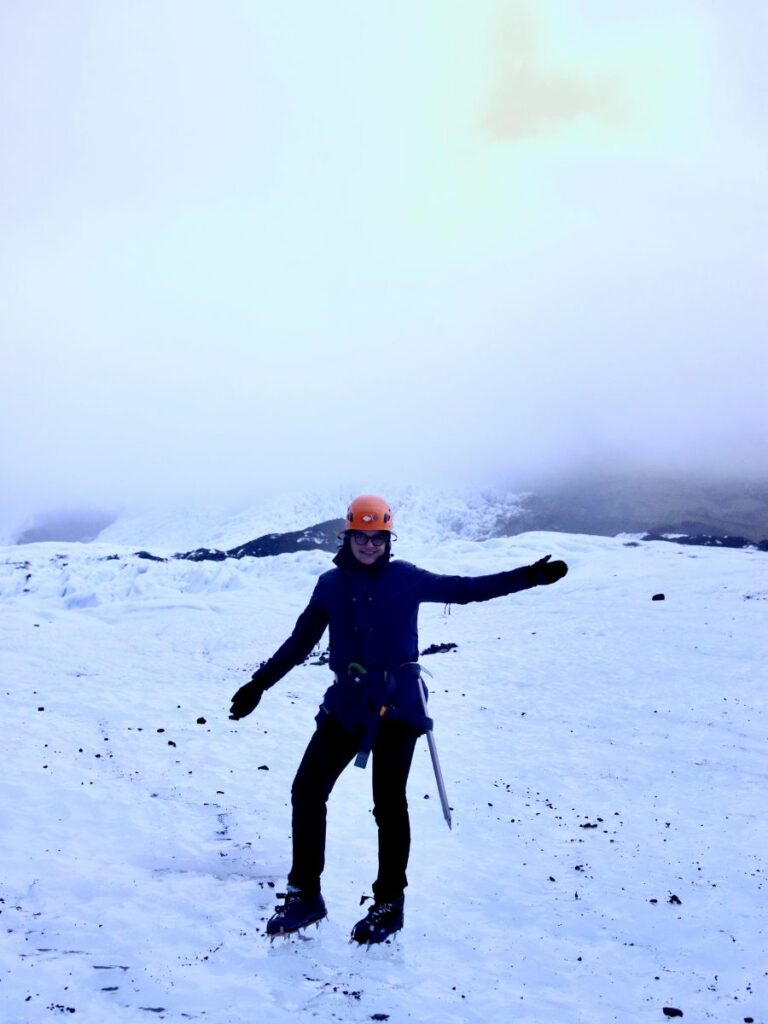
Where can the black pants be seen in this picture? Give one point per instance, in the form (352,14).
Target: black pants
(328,753)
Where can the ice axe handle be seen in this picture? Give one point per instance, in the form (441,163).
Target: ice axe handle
(435,759)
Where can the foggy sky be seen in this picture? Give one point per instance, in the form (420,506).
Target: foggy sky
(249,244)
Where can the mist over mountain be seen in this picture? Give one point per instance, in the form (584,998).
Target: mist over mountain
(607,505)
(601,504)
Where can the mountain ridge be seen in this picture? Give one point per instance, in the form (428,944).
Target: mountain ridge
(601,505)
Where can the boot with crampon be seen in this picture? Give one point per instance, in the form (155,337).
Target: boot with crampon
(381,921)
(298,910)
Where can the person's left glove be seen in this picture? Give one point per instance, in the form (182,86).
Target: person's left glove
(247,698)
(544,572)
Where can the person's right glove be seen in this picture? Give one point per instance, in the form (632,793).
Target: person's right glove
(247,698)
(544,572)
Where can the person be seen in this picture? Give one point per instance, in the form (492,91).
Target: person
(370,603)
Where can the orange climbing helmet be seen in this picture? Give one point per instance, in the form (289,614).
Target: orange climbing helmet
(369,512)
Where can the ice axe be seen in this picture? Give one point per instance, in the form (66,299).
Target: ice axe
(433,749)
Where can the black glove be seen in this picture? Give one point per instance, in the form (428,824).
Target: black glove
(247,698)
(544,571)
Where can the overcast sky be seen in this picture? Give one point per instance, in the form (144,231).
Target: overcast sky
(251,242)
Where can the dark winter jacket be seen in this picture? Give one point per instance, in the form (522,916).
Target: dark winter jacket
(371,612)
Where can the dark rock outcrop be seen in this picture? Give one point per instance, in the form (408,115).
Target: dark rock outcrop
(321,537)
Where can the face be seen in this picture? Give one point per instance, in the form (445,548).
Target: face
(368,545)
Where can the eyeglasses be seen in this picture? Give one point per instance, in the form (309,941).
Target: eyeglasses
(361,538)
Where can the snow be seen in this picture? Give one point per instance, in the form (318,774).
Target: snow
(604,755)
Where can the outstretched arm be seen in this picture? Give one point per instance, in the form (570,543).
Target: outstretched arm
(465,589)
(309,627)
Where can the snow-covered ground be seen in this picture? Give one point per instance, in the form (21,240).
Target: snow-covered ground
(604,754)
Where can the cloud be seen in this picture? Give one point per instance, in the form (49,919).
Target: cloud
(531,98)
(278,250)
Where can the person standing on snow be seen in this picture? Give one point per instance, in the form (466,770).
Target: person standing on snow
(370,605)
